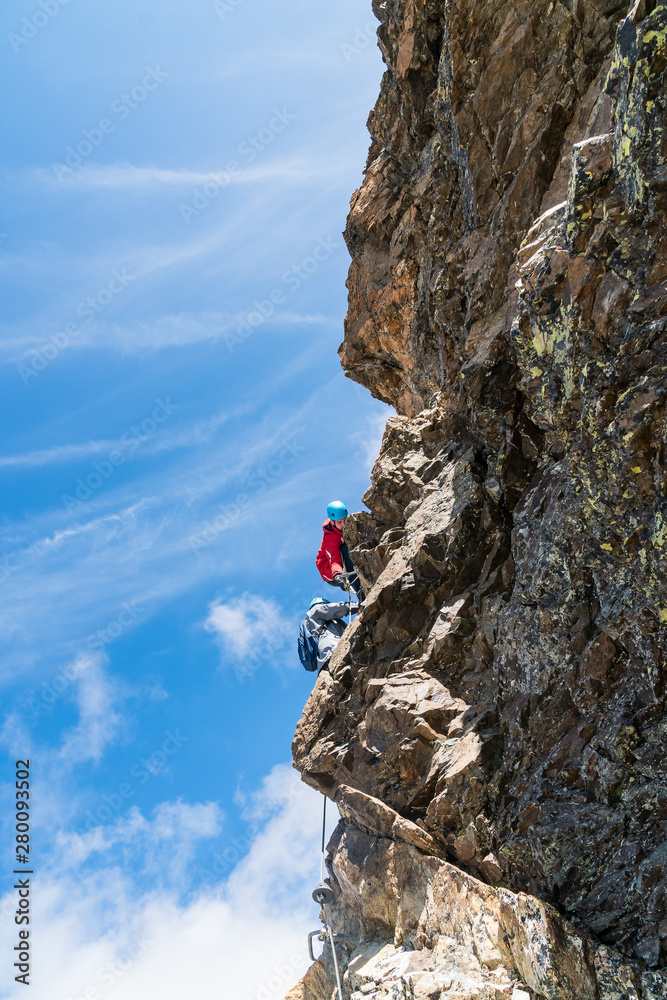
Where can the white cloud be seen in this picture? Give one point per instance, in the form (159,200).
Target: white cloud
(129,442)
(138,540)
(59,453)
(167,331)
(294,170)
(368,439)
(182,330)
(121,936)
(150,841)
(99,719)
(247,627)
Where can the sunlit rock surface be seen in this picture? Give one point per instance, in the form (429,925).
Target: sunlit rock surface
(493,729)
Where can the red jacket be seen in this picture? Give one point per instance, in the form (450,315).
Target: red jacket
(329,560)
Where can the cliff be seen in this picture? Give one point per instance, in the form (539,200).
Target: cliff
(493,728)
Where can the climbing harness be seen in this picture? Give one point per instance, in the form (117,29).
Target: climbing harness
(323,894)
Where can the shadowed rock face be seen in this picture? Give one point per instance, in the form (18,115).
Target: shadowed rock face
(494,729)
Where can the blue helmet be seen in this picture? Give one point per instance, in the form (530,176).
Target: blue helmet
(337,510)
(316,600)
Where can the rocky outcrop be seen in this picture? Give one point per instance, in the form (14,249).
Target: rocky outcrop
(493,727)
(312,986)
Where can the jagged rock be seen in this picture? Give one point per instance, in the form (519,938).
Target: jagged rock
(490,868)
(502,691)
(312,986)
(374,816)
(423,921)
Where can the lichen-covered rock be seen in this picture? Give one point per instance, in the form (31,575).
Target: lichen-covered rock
(493,726)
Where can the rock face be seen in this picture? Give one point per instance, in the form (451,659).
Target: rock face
(494,727)
(313,986)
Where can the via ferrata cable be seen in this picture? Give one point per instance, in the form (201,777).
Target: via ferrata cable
(333,952)
(323,904)
(324,823)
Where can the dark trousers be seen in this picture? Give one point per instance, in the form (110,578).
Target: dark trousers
(354,581)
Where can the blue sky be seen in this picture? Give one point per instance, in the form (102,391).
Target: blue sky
(175,179)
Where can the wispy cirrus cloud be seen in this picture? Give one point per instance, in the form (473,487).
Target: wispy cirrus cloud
(60,453)
(287,170)
(66,454)
(183,329)
(134,540)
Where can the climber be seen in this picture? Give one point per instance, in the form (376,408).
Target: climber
(320,632)
(334,555)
